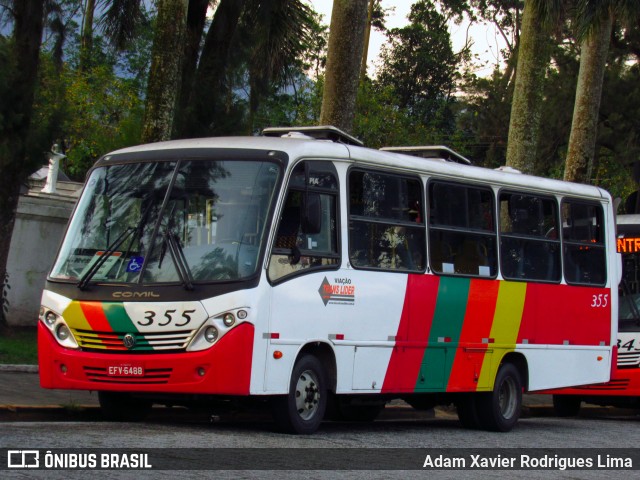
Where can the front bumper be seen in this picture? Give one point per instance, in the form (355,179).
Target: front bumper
(223,369)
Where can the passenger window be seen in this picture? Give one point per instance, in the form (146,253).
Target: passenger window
(386,221)
(529,240)
(583,243)
(307,233)
(462,237)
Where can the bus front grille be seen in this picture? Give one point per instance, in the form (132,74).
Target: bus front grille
(628,359)
(115,342)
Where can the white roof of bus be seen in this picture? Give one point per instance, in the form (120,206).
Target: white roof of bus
(300,147)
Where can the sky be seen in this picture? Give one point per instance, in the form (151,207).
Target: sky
(486,40)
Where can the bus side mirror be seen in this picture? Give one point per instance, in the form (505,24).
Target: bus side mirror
(311,221)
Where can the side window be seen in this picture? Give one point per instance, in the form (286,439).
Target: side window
(583,243)
(529,240)
(462,236)
(386,221)
(307,233)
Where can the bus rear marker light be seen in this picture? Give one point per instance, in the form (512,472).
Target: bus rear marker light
(277,354)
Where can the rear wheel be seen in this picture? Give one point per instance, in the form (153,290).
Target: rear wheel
(123,407)
(566,405)
(499,410)
(302,410)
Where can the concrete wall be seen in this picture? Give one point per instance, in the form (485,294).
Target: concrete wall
(40,223)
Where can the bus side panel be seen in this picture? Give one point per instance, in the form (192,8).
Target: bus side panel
(550,367)
(474,337)
(413,333)
(454,333)
(566,315)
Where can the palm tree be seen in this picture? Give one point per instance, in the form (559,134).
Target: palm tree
(595,22)
(166,70)
(119,22)
(276,31)
(279,30)
(533,58)
(346,44)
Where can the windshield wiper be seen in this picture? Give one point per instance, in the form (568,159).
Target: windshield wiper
(88,275)
(179,260)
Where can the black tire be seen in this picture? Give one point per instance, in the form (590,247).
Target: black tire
(122,407)
(467,408)
(566,405)
(303,409)
(499,410)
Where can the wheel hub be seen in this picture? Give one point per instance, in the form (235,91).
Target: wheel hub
(307,395)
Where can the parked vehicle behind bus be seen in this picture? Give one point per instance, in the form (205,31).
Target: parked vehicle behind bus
(303,270)
(624,388)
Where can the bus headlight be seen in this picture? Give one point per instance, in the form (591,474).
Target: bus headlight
(211,334)
(50,318)
(228,319)
(58,327)
(62,332)
(216,327)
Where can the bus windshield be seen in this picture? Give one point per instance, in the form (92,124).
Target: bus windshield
(169,222)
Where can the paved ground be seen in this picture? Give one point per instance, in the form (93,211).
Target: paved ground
(20,387)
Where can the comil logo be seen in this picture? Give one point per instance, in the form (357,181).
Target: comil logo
(23,459)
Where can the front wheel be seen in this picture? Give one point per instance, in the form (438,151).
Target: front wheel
(499,410)
(302,410)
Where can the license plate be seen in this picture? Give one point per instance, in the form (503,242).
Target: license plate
(125,370)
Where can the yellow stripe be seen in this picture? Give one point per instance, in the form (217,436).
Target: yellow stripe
(505,327)
(74,316)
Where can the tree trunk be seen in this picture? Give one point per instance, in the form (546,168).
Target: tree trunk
(166,70)
(16,111)
(367,37)
(524,124)
(584,127)
(209,89)
(196,19)
(86,37)
(346,44)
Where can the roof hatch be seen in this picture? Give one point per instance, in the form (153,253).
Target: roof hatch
(325,132)
(435,151)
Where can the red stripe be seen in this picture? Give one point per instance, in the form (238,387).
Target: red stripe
(481,307)
(96,317)
(415,325)
(555,313)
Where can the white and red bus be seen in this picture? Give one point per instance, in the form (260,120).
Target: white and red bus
(306,271)
(623,390)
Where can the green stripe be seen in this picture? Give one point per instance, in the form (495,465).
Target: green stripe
(118,318)
(448,318)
